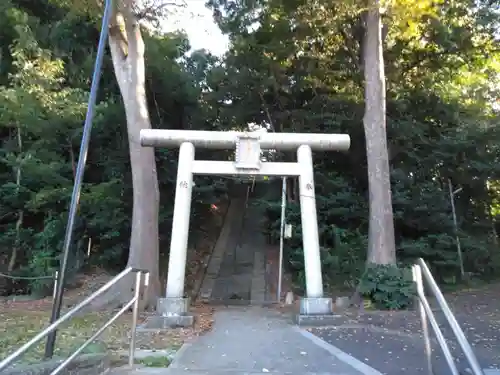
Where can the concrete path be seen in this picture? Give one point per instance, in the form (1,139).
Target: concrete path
(253,340)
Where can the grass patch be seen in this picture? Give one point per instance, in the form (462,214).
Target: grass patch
(20,321)
(154,361)
(148,361)
(19,325)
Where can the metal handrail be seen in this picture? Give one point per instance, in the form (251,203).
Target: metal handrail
(427,313)
(51,328)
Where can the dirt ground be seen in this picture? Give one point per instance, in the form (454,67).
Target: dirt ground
(478,311)
(21,320)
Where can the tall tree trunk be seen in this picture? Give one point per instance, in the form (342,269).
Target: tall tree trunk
(20,212)
(381,246)
(127,51)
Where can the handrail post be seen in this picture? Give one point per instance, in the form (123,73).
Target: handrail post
(145,292)
(56,280)
(135,314)
(439,336)
(452,321)
(417,279)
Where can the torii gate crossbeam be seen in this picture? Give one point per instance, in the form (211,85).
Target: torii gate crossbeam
(248,145)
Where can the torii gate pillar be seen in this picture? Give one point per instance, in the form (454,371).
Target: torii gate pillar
(174,308)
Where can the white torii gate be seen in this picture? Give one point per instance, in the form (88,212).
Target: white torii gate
(248,162)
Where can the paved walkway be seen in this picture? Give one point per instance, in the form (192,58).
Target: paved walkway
(393,344)
(253,340)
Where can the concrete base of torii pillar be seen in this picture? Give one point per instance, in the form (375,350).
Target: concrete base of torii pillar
(170,313)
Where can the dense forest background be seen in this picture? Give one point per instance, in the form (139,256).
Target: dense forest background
(293,66)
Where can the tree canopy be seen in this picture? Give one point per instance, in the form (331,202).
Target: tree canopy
(292,66)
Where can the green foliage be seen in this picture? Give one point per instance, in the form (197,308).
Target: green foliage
(297,65)
(342,250)
(387,286)
(154,361)
(293,66)
(46,61)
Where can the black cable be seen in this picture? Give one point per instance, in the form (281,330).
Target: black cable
(82,159)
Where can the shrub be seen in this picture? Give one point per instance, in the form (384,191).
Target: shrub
(387,286)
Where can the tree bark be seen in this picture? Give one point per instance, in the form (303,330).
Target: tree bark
(127,52)
(20,213)
(381,245)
